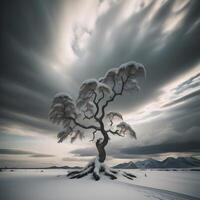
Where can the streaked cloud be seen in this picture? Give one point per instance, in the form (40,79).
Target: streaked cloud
(22,152)
(179,91)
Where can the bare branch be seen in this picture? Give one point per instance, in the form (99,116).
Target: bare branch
(97,106)
(95,96)
(103,95)
(83,126)
(115,133)
(114,84)
(112,115)
(113,97)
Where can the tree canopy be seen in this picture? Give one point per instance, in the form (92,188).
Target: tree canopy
(88,111)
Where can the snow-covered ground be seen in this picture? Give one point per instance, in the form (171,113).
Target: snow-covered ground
(47,185)
(185,182)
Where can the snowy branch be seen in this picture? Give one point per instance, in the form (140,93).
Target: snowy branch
(125,128)
(112,115)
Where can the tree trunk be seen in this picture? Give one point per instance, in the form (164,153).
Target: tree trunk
(101,147)
(97,166)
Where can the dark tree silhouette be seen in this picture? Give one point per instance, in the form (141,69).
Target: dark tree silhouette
(88,114)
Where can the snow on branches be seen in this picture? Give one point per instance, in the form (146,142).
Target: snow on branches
(89,91)
(112,115)
(93,98)
(125,128)
(122,79)
(62,110)
(63,107)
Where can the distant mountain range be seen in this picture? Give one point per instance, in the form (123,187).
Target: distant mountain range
(170,162)
(129,165)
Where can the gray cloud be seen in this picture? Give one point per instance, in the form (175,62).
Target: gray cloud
(136,39)
(185,91)
(41,156)
(26,84)
(163,148)
(84,152)
(190,83)
(14,152)
(182,99)
(75,159)
(22,152)
(139,152)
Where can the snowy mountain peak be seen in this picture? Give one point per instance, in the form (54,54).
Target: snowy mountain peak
(170,162)
(129,165)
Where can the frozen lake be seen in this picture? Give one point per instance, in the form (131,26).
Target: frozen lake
(53,185)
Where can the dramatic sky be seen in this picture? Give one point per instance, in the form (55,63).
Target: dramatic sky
(53,46)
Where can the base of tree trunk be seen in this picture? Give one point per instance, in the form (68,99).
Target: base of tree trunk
(96,168)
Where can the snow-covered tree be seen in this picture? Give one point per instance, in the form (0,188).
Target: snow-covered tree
(87,114)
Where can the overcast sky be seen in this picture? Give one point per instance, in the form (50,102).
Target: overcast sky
(52,46)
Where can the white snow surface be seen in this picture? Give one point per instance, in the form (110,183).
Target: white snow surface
(47,185)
